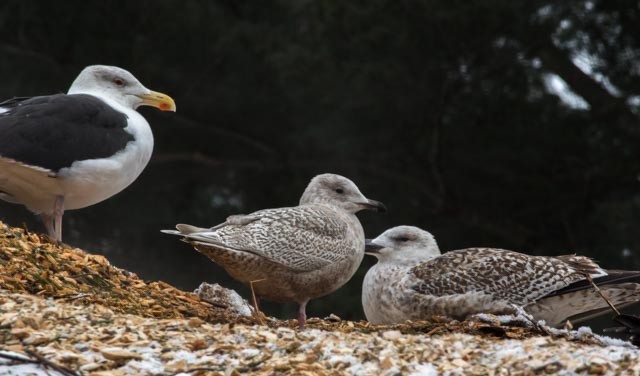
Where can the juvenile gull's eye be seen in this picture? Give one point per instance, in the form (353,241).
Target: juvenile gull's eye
(339,190)
(118,81)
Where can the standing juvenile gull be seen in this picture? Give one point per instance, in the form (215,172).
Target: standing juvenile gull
(69,151)
(295,253)
(413,281)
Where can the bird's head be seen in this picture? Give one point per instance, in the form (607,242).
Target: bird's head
(338,191)
(403,244)
(120,86)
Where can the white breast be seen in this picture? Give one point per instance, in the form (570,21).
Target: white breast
(382,295)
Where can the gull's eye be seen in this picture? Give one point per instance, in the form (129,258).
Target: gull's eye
(118,81)
(339,190)
(403,239)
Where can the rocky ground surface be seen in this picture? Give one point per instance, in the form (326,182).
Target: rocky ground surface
(65,312)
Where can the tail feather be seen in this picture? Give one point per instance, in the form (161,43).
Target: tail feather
(598,312)
(199,237)
(584,303)
(189,229)
(184,230)
(21,183)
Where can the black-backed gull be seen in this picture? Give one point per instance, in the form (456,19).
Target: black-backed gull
(69,151)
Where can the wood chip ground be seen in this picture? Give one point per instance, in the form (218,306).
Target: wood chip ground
(74,310)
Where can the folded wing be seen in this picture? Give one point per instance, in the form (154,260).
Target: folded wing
(302,239)
(509,276)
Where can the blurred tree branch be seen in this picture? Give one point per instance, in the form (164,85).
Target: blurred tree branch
(603,104)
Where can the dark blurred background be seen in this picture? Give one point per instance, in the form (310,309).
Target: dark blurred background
(497,123)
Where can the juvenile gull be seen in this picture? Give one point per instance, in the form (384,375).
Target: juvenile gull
(294,253)
(413,281)
(69,151)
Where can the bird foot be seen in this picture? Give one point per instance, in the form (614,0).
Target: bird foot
(520,312)
(46,238)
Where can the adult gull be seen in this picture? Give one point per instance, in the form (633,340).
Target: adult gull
(69,151)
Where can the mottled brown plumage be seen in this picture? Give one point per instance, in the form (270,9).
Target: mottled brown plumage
(505,275)
(294,253)
(413,281)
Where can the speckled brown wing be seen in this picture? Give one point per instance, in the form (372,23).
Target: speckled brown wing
(510,276)
(302,238)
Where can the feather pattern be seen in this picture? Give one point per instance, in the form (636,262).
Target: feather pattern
(412,281)
(283,236)
(510,276)
(292,253)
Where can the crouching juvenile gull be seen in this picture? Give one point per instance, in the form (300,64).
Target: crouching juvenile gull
(413,281)
(69,151)
(294,253)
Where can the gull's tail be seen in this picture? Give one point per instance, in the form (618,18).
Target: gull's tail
(579,301)
(185,230)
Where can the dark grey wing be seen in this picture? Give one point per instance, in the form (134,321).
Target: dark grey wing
(12,102)
(303,238)
(54,131)
(612,277)
(510,276)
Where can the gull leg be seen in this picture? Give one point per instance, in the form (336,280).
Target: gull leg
(302,314)
(256,313)
(48,224)
(58,210)
(255,299)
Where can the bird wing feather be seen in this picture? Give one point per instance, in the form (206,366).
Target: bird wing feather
(54,131)
(302,239)
(20,182)
(511,276)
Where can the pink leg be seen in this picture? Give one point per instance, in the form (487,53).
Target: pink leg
(302,314)
(58,210)
(48,224)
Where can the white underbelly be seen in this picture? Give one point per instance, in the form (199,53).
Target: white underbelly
(82,184)
(88,182)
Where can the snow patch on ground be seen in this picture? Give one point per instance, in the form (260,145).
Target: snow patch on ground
(10,367)
(218,295)
(425,369)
